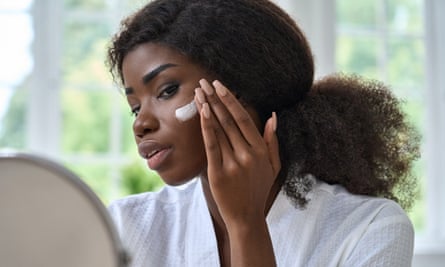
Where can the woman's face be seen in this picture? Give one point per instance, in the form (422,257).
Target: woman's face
(158,80)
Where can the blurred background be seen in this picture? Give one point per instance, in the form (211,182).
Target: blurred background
(58,100)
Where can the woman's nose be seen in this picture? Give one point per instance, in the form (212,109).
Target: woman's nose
(145,123)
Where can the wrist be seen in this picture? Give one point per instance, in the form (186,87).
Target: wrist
(247,228)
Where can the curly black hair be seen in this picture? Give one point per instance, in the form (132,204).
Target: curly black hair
(342,129)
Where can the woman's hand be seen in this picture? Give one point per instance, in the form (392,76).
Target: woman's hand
(242,164)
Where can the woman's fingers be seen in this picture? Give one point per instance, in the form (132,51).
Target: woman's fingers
(217,146)
(213,151)
(225,119)
(229,132)
(239,116)
(242,163)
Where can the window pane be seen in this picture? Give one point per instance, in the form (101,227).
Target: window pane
(15,65)
(405,16)
(358,54)
(133,5)
(406,69)
(357,14)
(86,116)
(16,60)
(84,48)
(13,117)
(96,176)
(137,178)
(85,5)
(16,5)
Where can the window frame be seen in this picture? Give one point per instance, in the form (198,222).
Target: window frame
(43,110)
(434,239)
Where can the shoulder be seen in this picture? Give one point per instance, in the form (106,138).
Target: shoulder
(140,207)
(340,204)
(350,230)
(152,225)
(376,227)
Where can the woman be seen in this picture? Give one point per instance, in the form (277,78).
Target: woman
(277,169)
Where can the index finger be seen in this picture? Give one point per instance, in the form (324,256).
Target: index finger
(239,114)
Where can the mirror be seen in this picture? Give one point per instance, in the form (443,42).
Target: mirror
(50,218)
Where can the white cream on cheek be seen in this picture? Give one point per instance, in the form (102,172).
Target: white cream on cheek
(186,112)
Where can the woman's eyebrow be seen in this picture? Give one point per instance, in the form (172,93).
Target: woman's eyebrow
(151,75)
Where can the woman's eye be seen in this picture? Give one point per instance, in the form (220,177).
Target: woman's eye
(135,111)
(169,91)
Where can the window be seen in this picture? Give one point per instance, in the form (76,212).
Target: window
(385,40)
(15,67)
(67,107)
(57,98)
(400,43)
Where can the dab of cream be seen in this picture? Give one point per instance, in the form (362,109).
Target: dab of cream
(186,112)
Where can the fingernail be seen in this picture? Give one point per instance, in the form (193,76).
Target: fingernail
(275,121)
(220,89)
(200,95)
(206,110)
(206,86)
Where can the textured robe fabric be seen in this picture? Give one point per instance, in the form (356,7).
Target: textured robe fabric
(173,227)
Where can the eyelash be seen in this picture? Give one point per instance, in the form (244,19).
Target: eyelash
(169,91)
(166,93)
(135,111)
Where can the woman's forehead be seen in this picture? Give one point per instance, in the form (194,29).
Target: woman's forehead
(150,58)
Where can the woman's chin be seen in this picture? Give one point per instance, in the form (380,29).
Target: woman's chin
(174,181)
(175,177)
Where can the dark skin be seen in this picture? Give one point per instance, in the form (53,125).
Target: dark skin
(237,164)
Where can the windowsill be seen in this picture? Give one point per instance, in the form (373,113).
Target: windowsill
(427,257)
(429,246)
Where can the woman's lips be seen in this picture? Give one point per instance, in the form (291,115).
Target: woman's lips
(155,161)
(154,153)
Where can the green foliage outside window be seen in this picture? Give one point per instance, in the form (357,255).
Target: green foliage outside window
(13,128)
(384,40)
(138,179)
